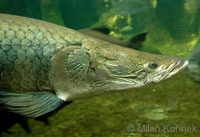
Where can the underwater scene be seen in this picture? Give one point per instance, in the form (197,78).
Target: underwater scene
(169,108)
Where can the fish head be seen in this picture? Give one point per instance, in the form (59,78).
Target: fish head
(119,68)
(91,69)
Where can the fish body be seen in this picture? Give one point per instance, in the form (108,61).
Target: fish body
(27,46)
(43,65)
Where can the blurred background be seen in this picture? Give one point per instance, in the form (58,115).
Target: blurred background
(171,28)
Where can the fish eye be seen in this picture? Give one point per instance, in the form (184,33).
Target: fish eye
(153,65)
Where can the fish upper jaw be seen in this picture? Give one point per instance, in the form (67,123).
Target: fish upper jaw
(178,66)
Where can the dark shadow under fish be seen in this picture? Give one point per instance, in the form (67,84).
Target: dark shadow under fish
(9,119)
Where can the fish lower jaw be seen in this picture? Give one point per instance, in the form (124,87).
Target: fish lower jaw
(126,85)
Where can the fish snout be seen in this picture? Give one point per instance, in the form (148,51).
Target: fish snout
(176,67)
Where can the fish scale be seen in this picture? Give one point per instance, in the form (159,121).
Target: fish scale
(27,46)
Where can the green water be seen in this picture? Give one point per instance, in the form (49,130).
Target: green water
(173,29)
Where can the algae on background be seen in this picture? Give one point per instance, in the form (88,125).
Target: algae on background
(51,12)
(176,28)
(169,26)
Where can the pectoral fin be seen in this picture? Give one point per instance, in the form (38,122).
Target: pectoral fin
(29,104)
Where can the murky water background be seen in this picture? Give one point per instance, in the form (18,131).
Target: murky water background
(173,29)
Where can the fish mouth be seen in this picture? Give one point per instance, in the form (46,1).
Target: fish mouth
(179,65)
